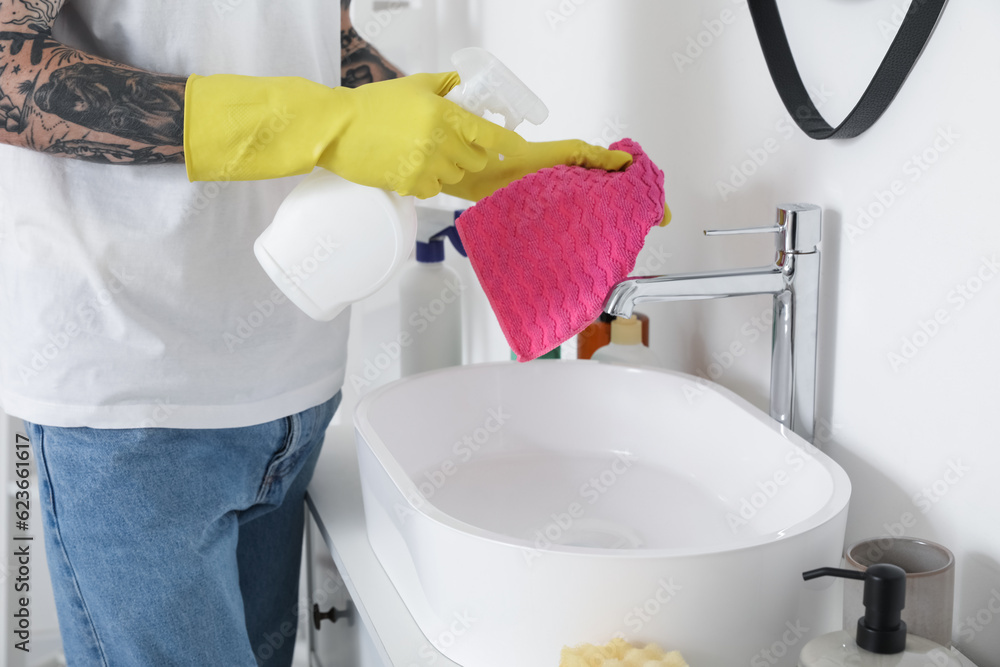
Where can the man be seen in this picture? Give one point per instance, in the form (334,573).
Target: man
(175,400)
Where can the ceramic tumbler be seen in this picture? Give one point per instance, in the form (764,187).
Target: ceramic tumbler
(930,583)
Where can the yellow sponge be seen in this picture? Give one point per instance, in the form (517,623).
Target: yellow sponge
(618,653)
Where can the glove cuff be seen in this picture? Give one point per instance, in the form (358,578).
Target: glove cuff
(240,128)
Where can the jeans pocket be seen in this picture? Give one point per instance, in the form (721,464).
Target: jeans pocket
(304,433)
(277,466)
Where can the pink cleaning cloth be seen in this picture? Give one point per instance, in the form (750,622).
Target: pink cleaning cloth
(549,247)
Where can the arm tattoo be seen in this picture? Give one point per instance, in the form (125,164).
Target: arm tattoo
(19,39)
(38,14)
(138,106)
(360,62)
(64,102)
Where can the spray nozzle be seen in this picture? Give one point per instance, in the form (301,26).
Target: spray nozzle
(487,85)
(434,225)
(880,630)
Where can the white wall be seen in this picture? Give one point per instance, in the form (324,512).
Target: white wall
(916,433)
(918,437)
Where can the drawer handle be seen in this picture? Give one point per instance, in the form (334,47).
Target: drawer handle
(334,614)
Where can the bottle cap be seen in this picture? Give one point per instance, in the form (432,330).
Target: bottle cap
(433,227)
(626,332)
(432,252)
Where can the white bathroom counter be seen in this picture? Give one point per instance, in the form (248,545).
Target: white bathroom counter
(334,500)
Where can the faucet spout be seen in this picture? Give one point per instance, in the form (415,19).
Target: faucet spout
(792,281)
(689,286)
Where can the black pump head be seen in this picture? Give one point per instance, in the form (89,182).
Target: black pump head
(880,630)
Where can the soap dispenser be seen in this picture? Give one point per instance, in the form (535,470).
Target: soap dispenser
(882,640)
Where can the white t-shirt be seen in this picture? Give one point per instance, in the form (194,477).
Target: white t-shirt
(130,297)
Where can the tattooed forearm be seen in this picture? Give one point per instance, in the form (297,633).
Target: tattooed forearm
(360,62)
(67,103)
(138,106)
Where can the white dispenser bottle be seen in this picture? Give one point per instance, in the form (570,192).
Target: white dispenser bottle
(626,345)
(430,299)
(881,639)
(333,242)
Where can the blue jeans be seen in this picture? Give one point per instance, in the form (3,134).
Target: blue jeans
(178,546)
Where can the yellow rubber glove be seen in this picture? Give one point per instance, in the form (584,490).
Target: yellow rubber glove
(397,135)
(538,155)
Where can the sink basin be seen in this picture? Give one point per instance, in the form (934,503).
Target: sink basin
(520,508)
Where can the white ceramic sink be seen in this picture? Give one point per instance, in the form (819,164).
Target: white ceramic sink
(520,508)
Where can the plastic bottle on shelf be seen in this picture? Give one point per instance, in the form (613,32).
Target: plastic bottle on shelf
(598,334)
(626,345)
(333,242)
(594,337)
(430,298)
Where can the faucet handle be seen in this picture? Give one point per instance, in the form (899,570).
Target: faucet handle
(799,229)
(774,229)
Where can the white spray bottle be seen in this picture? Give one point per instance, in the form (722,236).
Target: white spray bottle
(333,242)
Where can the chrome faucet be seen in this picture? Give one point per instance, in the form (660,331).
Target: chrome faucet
(793,280)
